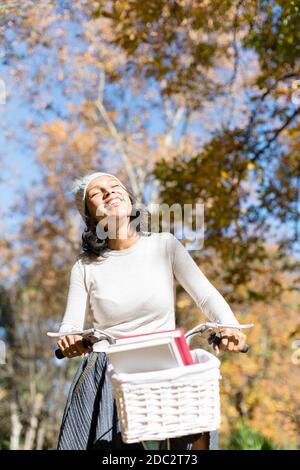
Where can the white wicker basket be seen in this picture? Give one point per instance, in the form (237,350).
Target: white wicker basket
(168,403)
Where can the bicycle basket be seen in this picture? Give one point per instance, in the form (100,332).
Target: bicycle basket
(168,403)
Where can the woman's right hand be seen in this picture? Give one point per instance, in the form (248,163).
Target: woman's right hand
(71,346)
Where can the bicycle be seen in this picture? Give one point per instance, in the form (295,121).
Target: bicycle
(124,392)
(210,330)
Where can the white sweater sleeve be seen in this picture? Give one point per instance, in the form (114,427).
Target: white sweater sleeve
(193,280)
(77,301)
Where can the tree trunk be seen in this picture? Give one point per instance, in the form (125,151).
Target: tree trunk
(33,423)
(16,427)
(41,436)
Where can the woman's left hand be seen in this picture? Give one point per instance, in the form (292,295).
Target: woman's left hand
(232,340)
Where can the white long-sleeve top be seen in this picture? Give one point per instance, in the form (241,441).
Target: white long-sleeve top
(132,291)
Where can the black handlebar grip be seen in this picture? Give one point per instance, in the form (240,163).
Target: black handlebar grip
(215,338)
(58,352)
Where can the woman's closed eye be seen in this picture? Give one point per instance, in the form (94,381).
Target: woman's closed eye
(95,194)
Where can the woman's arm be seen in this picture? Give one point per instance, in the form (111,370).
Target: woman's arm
(206,296)
(75,313)
(77,306)
(193,280)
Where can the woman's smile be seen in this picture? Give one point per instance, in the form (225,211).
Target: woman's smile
(115,201)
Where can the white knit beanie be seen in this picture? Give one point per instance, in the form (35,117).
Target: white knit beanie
(79,187)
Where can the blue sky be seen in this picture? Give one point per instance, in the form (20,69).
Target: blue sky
(16,145)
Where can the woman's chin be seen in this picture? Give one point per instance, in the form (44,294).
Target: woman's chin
(118,209)
(117,212)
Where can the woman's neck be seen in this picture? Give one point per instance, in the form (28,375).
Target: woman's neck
(124,238)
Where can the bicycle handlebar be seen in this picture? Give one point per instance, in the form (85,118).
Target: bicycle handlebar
(89,337)
(211,327)
(58,352)
(215,336)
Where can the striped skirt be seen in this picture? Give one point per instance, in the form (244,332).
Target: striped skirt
(90,418)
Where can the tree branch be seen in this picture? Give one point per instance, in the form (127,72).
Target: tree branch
(277,132)
(133,177)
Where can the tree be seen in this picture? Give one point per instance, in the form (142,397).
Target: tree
(185,101)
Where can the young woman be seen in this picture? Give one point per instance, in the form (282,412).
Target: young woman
(124,278)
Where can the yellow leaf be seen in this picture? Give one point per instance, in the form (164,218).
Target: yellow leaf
(224,174)
(251,166)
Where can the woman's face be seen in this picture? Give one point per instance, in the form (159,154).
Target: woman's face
(105,197)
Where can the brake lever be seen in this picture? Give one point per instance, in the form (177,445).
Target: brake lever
(88,340)
(216,338)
